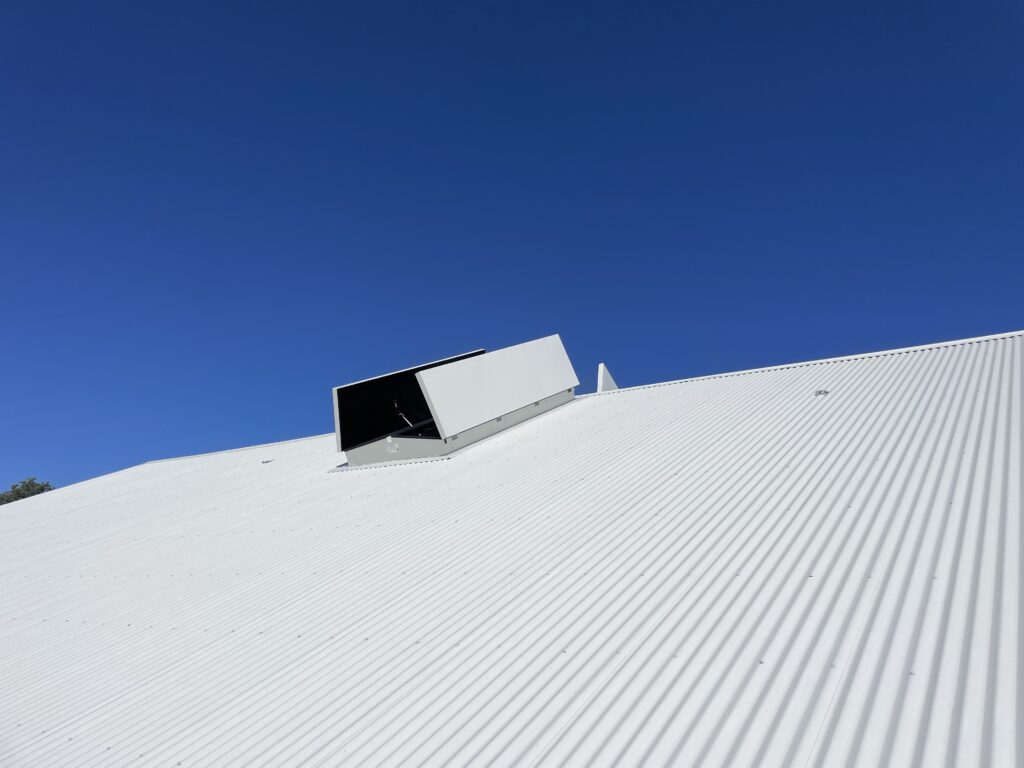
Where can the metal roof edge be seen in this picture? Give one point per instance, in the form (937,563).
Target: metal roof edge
(233,450)
(764,369)
(822,361)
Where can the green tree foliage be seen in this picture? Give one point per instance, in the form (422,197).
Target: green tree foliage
(28,487)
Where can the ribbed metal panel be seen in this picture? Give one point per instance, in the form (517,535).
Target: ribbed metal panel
(727,570)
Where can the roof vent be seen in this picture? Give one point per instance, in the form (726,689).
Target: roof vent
(437,408)
(605,382)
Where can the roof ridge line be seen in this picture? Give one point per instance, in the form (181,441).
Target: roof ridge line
(821,361)
(233,450)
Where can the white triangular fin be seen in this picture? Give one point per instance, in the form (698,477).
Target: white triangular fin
(605,382)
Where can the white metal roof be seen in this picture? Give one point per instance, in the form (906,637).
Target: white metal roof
(725,570)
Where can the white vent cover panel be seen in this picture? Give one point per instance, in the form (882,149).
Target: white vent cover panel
(470,392)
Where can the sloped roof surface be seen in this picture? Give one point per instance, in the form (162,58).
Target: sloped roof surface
(727,570)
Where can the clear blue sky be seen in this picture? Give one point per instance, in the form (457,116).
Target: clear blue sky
(209,215)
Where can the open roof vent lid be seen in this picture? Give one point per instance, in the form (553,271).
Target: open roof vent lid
(437,408)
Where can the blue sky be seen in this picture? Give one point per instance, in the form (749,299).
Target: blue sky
(211,215)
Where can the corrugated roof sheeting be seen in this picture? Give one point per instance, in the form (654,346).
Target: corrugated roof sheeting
(727,570)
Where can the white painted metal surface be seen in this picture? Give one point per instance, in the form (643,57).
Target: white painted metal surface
(605,382)
(731,570)
(467,393)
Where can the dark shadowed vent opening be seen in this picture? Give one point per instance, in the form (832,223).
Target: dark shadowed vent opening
(392,405)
